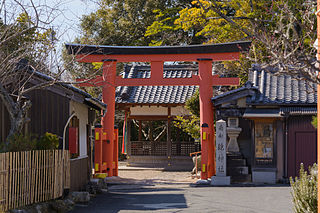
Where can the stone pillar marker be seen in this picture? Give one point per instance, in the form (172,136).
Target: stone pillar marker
(233,131)
(221,156)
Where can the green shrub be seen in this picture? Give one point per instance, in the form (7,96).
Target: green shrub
(48,141)
(304,190)
(20,142)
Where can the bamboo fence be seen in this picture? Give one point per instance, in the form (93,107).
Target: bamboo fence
(32,176)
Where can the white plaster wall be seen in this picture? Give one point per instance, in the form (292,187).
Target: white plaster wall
(179,110)
(81,112)
(146,110)
(155,110)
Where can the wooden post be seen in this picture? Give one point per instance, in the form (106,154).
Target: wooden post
(116,151)
(129,138)
(140,131)
(169,143)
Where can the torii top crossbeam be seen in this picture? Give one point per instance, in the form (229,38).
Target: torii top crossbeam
(157,55)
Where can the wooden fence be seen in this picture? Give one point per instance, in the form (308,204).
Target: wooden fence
(32,176)
(160,148)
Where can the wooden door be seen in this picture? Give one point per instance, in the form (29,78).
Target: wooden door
(305,150)
(302,144)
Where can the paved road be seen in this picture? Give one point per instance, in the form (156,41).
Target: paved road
(161,194)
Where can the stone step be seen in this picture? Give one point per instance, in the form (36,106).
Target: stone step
(241,178)
(234,156)
(236,162)
(234,171)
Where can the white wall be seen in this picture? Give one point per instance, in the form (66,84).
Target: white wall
(155,110)
(179,110)
(81,112)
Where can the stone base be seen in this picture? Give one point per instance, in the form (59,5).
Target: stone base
(220,181)
(264,175)
(203,182)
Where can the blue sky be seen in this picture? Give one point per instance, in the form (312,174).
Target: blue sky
(67,23)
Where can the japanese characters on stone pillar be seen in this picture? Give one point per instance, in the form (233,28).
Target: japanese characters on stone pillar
(221,161)
(221,156)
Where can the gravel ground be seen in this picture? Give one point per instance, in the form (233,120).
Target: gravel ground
(157,176)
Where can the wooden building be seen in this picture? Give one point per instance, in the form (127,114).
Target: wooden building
(146,105)
(274,113)
(51,108)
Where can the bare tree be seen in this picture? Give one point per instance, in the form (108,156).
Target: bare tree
(26,41)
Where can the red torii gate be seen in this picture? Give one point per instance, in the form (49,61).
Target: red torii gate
(203,54)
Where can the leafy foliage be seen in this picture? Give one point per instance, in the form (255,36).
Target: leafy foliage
(28,142)
(19,40)
(48,141)
(282,32)
(193,105)
(304,190)
(21,142)
(191,124)
(123,22)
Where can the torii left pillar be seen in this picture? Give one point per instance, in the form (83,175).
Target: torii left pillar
(108,97)
(206,118)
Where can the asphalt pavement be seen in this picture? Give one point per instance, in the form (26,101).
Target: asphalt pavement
(159,191)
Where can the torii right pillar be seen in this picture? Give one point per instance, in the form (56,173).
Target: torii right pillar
(206,119)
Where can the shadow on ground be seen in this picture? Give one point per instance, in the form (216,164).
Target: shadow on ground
(130,200)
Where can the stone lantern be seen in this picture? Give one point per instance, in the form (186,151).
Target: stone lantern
(233,131)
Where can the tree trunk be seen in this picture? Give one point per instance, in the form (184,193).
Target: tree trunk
(17,110)
(16,127)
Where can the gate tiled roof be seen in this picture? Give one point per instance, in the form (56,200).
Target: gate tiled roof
(157,94)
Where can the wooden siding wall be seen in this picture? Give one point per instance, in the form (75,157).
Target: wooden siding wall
(4,122)
(245,139)
(79,174)
(49,113)
(302,143)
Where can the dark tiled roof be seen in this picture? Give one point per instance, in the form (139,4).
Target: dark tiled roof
(248,86)
(298,110)
(147,50)
(282,89)
(271,88)
(97,104)
(157,94)
(23,64)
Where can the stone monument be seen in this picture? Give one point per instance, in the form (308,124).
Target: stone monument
(221,177)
